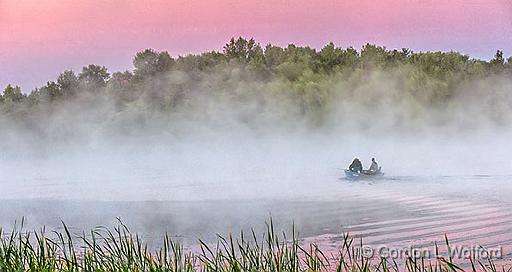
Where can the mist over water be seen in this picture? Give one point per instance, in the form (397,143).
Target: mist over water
(200,188)
(237,148)
(245,168)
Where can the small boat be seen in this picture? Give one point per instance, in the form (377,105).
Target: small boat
(365,174)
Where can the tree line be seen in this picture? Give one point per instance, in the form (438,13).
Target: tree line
(305,77)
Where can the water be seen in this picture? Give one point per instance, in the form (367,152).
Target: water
(430,189)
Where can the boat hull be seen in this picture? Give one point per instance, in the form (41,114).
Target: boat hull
(363,175)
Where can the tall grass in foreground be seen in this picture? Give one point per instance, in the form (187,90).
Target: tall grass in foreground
(118,249)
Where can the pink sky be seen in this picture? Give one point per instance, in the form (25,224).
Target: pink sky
(40,38)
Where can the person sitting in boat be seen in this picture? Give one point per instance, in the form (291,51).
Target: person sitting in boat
(374,167)
(356,166)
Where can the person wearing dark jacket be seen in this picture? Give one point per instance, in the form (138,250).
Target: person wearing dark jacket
(356,166)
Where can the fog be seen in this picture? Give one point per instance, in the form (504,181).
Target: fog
(92,160)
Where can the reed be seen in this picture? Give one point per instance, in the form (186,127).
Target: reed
(118,249)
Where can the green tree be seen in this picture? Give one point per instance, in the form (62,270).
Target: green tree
(243,50)
(397,57)
(349,58)
(331,57)
(121,78)
(150,62)
(373,56)
(68,82)
(441,65)
(12,94)
(120,87)
(51,92)
(94,76)
(274,56)
(498,58)
(497,64)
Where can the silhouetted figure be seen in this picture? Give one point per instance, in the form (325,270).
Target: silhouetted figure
(356,166)
(374,167)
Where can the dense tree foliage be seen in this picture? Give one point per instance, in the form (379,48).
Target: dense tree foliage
(256,83)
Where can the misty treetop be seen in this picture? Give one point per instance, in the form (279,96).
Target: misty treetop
(255,85)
